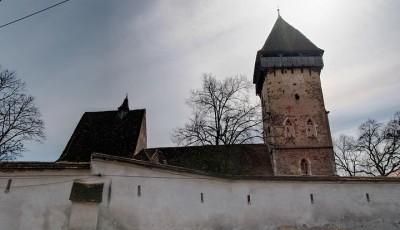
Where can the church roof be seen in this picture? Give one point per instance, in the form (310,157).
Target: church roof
(104,132)
(245,159)
(285,47)
(286,40)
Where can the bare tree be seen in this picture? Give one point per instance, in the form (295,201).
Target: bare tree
(19,118)
(376,152)
(381,145)
(222,113)
(347,157)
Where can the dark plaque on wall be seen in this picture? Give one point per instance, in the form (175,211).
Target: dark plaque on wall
(86,192)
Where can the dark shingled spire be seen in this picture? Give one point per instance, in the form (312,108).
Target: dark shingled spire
(286,40)
(285,47)
(125,105)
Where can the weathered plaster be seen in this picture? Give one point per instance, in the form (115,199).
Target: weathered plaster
(170,200)
(175,203)
(43,207)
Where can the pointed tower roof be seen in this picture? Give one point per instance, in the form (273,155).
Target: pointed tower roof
(285,47)
(286,40)
(125,105)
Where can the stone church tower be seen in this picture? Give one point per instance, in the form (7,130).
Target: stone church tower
(296,127)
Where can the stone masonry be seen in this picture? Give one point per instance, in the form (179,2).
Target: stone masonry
(295,122)
(296,126)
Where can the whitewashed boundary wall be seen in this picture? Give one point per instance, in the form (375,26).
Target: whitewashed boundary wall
(145,197)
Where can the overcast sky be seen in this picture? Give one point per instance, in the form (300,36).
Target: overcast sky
(86,55)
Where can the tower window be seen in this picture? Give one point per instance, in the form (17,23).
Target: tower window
(289,129)
(311,128)
(296,96)
(304,167)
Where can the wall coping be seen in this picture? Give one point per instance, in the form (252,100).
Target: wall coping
(338,179)
(40,165)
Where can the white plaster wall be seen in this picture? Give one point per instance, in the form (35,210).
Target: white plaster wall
(37,200)
(172,203)
(171,200)
(83,216)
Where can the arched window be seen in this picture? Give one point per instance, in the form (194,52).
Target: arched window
(289,128)
(311,128)
(304,167)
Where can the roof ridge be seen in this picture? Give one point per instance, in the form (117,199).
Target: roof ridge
(200,146)
(108,111)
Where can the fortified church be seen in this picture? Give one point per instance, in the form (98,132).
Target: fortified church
(107,178)
(297,135)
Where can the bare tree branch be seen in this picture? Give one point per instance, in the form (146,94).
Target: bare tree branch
(348,159)
(19,118)
(375,152)
(222,114)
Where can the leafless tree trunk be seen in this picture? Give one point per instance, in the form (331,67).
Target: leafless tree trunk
(222,114)
(19,117)
(377,149)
